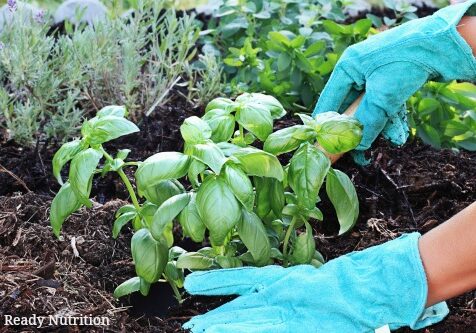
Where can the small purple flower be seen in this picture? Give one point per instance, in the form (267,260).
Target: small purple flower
(40,16)
(12,5)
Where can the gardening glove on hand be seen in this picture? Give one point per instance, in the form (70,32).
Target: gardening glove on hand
(391,66)
(356,293)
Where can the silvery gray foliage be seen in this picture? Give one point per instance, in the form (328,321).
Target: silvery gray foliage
(18,8)
(80,11)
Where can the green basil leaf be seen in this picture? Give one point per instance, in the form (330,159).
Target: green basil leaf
(194,261)
(191,221)
(256,162)
(218,208)
(256,119)
(112,110)
(307,120)
(196,168)
(147,212)
(174,274)
(162,191)
(304,247)
(239,184)
(288,139)
(343,196)
(130,286)
(228,262)
(268,102)
(121,221)
(108,128)
(221,103)
(222,124)
(263,193)
(122,154)
(210,154)
(161,166)
(167,212)
(64,155)
(81,173)
(337,133)
(253,234)
(64,204)
(307,170)
(125,209)
(149,255)
(276,196)
(195,130)
(228,149)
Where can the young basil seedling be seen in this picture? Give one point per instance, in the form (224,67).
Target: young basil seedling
(242,202)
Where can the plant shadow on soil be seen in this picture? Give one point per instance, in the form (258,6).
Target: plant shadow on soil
(413,188)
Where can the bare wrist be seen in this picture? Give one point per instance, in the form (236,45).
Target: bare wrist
(466,28)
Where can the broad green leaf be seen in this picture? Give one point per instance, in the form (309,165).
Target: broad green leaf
(174,274)
(362,26)
(288,139)
(64,204)
(343,196)
(239,184)
(315,48)
(218,208)
(256,162)
(167,212)
(263,193)
(194,261)
(256,119)
(108,128)
(222,124)
(81,173)
(269,102)
(149,255)
(307,170)
(210,154)
(228,262)
(195,130)
(276,195)
(304,247)
(112,110)
(284,60)
(161,166)
(253,234)
(191,221)
(307,120)
(196,168)
(162,191)
(121,221)
(64,155)
(228,149)
(147,212)
(125,209)
(337,133)
(221,103)
(130,286)
(122,154)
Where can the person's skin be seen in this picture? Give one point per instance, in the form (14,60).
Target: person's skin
(448,252)
(467,29)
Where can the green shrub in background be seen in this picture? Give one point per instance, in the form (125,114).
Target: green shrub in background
(49,85)
(444,115)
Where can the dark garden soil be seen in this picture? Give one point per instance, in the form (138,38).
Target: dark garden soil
(402,190)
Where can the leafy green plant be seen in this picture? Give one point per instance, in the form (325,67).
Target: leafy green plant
(50,83)
(237,199)
(284,48)
(444,115)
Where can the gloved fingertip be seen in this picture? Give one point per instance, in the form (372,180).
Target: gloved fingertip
(359,157)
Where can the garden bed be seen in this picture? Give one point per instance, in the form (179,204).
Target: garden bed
(403,190)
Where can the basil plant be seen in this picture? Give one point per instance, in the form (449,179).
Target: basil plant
(238,201)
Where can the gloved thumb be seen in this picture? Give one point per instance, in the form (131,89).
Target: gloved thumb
(233,281)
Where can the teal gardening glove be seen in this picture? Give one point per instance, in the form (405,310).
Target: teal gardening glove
(391,66)
(356,293)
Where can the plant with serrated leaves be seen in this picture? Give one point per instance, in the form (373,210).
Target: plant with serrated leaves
(240,201)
